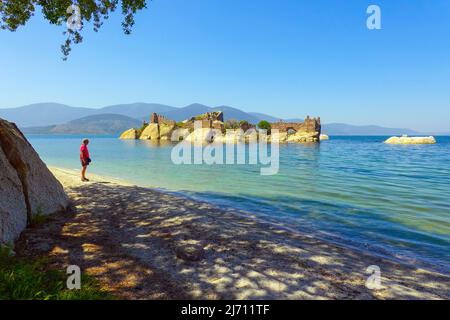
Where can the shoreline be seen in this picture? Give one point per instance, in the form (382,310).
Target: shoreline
(203,252)
(371,250)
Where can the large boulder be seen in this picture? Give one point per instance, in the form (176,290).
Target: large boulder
(304,137)
(411,140)
(27,187)
(282,136)
(151,132)
(204,135)
(236,136)
(130,134)
(165,131)
(13,210)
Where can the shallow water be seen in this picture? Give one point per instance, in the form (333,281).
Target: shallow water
(357,191)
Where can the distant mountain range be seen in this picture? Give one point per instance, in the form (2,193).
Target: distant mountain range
(54,118)
(97,124)
(341,129)
(47,114)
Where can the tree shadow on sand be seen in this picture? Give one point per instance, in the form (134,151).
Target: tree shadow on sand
(145,244)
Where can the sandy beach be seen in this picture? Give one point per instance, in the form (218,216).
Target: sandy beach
(142,243)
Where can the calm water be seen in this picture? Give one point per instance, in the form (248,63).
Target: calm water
(357,191)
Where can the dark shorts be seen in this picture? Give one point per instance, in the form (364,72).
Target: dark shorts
(84,162)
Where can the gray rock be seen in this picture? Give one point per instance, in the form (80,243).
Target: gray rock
(13,211)
(189,251)
(27,186)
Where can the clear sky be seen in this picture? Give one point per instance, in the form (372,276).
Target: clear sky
(287,58)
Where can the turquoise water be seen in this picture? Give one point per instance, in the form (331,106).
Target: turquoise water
(356,191)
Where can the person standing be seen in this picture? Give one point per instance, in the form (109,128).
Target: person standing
(84,158)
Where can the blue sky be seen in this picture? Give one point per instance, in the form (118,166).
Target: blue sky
(287,58)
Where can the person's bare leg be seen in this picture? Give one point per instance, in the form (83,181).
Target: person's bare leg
(83,174)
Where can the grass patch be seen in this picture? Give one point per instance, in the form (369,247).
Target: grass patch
(38,219)
(25,279)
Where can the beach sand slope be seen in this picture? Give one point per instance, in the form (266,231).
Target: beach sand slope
(142,243)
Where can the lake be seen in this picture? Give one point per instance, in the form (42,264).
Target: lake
(390,200)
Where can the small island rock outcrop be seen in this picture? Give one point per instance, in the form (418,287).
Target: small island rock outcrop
(27,187)
(213,128)
(299,132)
(151,132)
(130,134)
(159,128)
(411,140)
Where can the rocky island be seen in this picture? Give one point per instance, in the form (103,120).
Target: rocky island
(411,140)
(212,127)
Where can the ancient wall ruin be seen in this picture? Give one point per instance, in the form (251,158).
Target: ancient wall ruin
(310,125)
(159,119)
(213,120)
(212,116)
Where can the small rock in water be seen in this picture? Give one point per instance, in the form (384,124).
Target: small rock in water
(411,140)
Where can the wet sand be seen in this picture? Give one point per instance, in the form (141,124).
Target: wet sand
(142,243)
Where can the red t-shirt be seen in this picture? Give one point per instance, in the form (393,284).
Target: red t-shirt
(84,152)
